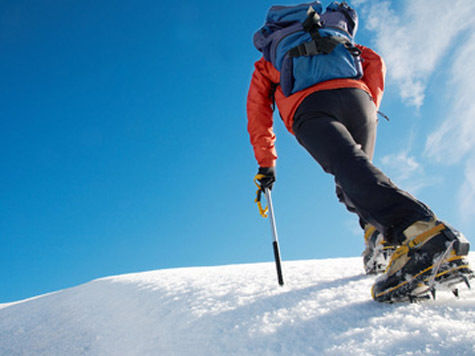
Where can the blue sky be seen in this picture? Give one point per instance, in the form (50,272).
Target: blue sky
(124,143)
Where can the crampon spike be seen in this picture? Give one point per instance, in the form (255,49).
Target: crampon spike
(432,292)
(456,292)
(465,279)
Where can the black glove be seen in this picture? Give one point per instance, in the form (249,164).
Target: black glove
(266,177)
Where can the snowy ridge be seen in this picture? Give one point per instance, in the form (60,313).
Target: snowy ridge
(325,308)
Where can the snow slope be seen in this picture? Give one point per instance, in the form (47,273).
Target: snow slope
(325,308)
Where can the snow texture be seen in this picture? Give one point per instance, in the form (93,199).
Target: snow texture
(325,308)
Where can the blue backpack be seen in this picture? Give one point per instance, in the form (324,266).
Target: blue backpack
(308,47)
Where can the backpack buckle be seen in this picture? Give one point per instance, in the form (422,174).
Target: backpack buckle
(305,49)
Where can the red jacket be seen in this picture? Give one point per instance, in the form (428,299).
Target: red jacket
(260,101)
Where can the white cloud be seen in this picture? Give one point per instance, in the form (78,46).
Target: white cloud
(467,192)
(456,135)
(414,40)
(407,172)
(454,140)
(402,164)
(356,3)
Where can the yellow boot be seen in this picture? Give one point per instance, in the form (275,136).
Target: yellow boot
(430,257)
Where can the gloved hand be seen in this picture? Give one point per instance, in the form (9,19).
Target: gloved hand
(266,177)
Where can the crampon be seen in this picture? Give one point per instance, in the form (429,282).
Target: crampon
(434,259)
(441,276)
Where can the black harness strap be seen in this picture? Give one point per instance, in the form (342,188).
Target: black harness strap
(320,44)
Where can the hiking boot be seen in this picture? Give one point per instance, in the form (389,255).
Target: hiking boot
(431,257)
(378,251)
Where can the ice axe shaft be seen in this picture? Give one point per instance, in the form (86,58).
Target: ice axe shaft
(275,239)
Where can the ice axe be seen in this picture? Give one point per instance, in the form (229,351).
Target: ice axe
(275,240)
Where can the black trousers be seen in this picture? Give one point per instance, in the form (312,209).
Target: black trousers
(338,128)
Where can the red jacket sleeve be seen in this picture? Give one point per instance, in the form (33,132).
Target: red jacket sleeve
(260,112)
(374,71)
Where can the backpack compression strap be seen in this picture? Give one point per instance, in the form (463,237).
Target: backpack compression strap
(319,44)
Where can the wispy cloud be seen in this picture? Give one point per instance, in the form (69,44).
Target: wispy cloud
(407,172)
(456,136)
(467,192)
(414,41)
(402,164)
(454,140)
